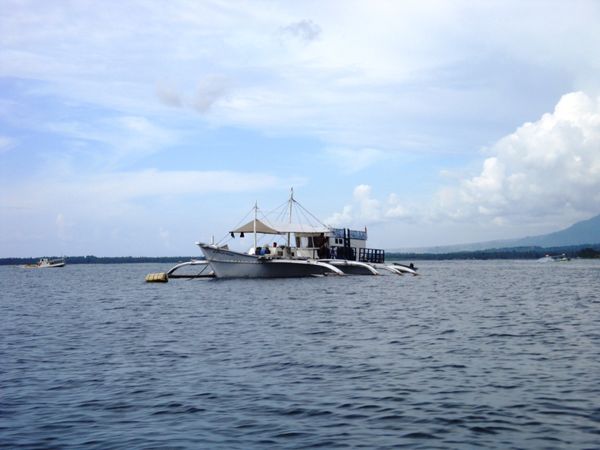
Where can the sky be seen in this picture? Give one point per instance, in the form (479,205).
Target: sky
(140,127)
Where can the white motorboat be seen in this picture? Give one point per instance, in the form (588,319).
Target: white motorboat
(312,249)
(46,263)
(554,258)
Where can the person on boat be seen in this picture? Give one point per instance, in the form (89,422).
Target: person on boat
(333,253)
(323,251)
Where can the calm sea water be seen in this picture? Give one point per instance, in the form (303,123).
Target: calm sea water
(468,355)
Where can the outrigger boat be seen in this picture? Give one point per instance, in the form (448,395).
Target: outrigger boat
(46,263)
(312,249)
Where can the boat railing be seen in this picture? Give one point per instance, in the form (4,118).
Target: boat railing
(371,255)
(348,253)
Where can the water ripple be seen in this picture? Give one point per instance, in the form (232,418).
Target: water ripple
(469,355)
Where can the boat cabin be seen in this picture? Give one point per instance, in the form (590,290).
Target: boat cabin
(315,243)
(308,241)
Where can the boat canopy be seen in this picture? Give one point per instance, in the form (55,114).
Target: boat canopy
(283,228)
(261,227)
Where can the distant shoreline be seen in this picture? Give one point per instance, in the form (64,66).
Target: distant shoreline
(579,251)
(102,260)
(585,251)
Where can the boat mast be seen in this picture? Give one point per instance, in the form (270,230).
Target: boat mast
(290,219)
(254,223)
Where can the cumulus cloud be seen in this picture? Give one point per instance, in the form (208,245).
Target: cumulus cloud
(546,168)
(367,210)
(545,173)
(396,209)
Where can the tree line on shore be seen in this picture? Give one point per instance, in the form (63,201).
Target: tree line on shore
(579,251)
(90,259)
(586,251)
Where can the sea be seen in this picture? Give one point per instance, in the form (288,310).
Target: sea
(467,355)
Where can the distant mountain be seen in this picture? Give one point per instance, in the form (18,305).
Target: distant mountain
(584,232)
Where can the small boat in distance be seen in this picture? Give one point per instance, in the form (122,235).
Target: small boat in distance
(46,263)
(554,258)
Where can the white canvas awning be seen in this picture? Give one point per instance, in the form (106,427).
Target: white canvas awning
(261,227)
(283,228)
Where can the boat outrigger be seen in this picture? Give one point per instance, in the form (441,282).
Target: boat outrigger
(303,249)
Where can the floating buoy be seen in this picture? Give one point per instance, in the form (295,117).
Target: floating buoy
(160,277)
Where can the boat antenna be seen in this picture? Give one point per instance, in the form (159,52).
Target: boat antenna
(291,209)
(254,223)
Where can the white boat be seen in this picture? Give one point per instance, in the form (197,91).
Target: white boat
(312,249)
(46,263)
(561,258)
(231,264)
(554,258)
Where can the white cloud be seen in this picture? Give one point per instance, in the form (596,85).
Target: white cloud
(364,80)
(6,144)
(366,210)
(544,169)
(544,175)
(341,218)
(373,74)
(396,210)
(370,209)
(304,30)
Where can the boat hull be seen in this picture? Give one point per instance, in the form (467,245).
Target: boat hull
(229,264)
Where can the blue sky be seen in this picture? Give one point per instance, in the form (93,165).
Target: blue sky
(140,127)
